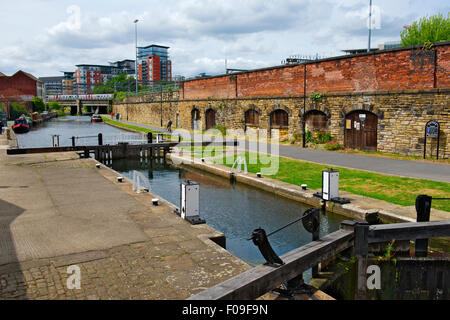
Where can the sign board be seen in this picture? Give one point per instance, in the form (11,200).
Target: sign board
(348,124)
(432,129)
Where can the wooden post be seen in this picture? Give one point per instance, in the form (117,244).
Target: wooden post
(361,250)
(423,209)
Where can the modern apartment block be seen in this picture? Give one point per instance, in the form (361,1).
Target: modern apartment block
(87,76)
(52,85)
(67,82)
(153,64)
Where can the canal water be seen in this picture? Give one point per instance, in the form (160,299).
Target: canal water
(81,127)
(233,209)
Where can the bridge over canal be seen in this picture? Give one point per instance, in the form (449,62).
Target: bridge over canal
(76,104)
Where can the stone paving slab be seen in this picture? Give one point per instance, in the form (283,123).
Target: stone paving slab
(57,211)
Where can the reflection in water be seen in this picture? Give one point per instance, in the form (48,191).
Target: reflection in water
(234,209)
(77,126)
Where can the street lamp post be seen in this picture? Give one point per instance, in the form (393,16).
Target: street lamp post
(136,61)
(370,24)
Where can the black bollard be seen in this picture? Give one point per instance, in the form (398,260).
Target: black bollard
(423,209)
(149,137)
(100,139)
(73,141)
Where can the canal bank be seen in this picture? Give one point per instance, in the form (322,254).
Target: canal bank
(360,207)
(58,210)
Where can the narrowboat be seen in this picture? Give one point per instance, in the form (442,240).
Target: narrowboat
(21,125)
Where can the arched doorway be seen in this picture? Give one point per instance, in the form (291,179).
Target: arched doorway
(316,121)
(195,119)
(279,121)
(210,116)
(251,119)
(361,130)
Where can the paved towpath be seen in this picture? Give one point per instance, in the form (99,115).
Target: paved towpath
(404,168)
(57,211)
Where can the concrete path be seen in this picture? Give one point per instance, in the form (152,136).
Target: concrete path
(57,211)
(404,168)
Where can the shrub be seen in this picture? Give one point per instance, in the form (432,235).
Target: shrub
(53,105)
(38,104)
(333,145)
(222,129)
(308,136)
(321,137)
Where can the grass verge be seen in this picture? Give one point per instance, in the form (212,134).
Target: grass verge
(397,190)
(135,128)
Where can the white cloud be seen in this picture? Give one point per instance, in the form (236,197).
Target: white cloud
(52,35)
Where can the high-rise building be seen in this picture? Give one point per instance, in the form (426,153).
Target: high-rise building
(52,85)
(154,64)
(68,82)
(87,76)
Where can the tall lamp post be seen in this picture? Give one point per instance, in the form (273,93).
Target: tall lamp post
(136,61)
(370,24)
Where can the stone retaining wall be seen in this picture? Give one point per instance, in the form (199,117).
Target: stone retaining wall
(401,114)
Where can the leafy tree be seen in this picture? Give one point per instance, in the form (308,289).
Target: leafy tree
(118,83)
(17,109)
(53,105)
(427,30)
(38,104)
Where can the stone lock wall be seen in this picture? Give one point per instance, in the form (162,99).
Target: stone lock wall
(404,88)
(402,115)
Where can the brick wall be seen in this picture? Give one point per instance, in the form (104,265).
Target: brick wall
(403,88)
(396,69)
(21,82)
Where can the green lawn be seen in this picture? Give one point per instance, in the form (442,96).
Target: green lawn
(398,190)
(129,126)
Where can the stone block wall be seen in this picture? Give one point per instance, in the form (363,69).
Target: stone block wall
(401,114)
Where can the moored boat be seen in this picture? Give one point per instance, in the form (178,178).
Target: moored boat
(21,125)
(96,118)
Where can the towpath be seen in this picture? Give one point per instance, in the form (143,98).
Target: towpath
(58,211)
(403,168)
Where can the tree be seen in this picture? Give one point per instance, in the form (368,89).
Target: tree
(426,30)
(38,104)
(118,83)
(53,105)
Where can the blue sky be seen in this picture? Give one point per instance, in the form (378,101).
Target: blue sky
(44,37)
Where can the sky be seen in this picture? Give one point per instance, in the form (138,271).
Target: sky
(45,37)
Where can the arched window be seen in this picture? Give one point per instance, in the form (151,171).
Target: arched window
(251,117)
(210,116)
(316,121)
(279,119)
(195,119)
